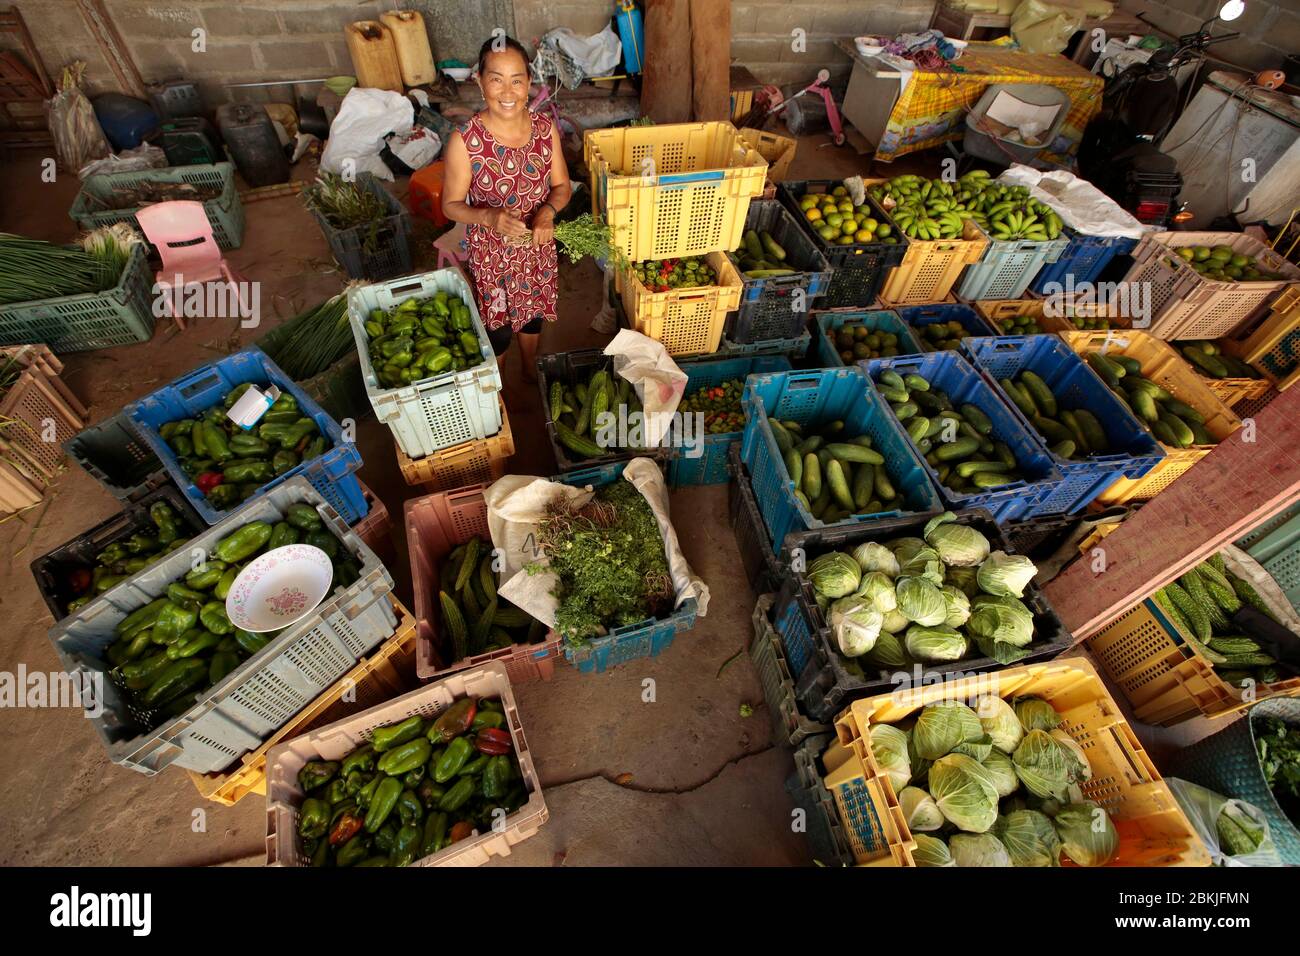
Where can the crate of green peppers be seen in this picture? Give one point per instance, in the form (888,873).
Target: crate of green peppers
(219,465)
(440,776)
(429,369)
(145,531)
(180,684)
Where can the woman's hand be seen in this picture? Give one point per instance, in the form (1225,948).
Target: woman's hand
(543,226)
(507,222)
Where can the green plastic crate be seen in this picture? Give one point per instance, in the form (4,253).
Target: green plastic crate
(92,320)
(225,213)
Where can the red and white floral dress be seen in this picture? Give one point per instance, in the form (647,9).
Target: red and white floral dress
(515,283)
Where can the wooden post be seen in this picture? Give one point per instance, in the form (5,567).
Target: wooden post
(110,43)
(666,89)
(1251,475)
(710,60)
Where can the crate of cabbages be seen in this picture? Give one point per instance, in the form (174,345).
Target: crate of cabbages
(1030,766)
(595,556)
(442,776)
(219,465)
(194,662)
(429,369)
(908,600)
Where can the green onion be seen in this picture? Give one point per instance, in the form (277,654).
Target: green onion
(313,340)
(31,270)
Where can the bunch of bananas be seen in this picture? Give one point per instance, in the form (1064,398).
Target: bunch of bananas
(1011,213)
(932,208)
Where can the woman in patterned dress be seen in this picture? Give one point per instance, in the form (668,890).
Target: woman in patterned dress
(506,179)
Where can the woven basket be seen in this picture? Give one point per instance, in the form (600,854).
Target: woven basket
(1228,763)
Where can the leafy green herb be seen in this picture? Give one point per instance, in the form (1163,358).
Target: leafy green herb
(586,236)
(609,558)
(1279,755)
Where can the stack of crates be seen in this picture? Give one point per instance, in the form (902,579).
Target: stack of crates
(668,192)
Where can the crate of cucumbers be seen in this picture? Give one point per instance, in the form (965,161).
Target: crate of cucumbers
(219,465)
(1169,399)
(858,241)
(178,682)
(823,451)
(429,369)
(975,450)
(783,272)
(1229,377)
(1092,436)
(442,776)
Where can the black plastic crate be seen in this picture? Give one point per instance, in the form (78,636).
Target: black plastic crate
(777,307)
(114,455)
(570,368)
(830,844)
(859,269)
(762,569)
(823,684)
(1039,537)
(51,570)
(378,250)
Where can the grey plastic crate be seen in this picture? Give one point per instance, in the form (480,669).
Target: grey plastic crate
(262,694)
(116,456)
(790,725)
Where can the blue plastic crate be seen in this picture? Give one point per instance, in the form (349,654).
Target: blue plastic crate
(794,349)
(633,641)
(1084,258)
(1075,386)
(822,396)
(762,569)
(952,374)
(919,316)
(882,320)
(710,468)
(331,474)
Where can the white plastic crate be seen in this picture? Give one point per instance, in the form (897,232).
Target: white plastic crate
(443,410)
(334,742)
(234,715)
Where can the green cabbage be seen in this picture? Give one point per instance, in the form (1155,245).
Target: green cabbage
(919,810)
(964,793)
(979,749)
(1002,772)
(1080,768)
(964,580)
(958,605)
(1005,574)
(1034,713)
(1002,620)
(941,727)
(1000,722)
(888,651)
(978,849)
(924,563)
(834,575)
(855,624)
(931,851)
(872,556)
(1029,837)
(920,765)
(904,548)
(889,745)
(958,545)
(921,602)
(895,621)
(933,644)
(1087,834)
(878,588)
(1042,765)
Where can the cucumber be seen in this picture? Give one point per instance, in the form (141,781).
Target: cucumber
(1092,430)
(915,383)
(1053,430)
(1164,434)
(905,411)
(857,453)
(1131,365)
(1038,390)
(812,476)
(884,488)
(967,468)
(794,465)
(918,428)
(753,245)
(783,439)
(895,396)
(1110,373)
(839,485)
(820,503)
(771,248)
(891,379)
(1184,411)
(1144,404)
(956,450)
(864,486)
(1064,449)
(929,402)
(1004,453)
(991,479)
(1021,398)
(979,421)
(1072,423)
(812,443)
(1182,434)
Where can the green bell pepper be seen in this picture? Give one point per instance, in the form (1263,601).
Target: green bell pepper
(386,738)
(382,803)
(435,834)
(362,759)
(353,851)
(243,543)
(456,756)
(313,818)
(409,808)
(282,534)
(213,617)
(406,845)
(317,773)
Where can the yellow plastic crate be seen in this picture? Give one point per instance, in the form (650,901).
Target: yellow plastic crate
(778,150)
(677,190)
(995,310)
(1162,677)
(930,268)
(1162,365)
(1272,344)
(686,321)
(471,462)
(385,674)
(1152,829)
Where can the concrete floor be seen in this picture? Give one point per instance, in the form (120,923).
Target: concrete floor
(682,781)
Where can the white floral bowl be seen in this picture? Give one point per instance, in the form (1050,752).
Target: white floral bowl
(279,588)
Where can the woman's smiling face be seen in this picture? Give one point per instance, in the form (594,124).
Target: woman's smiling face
(504,82)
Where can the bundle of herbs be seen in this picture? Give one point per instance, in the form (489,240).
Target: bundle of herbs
(1279,757)
(31,270)
(586,236)
(608,556)
(344,204)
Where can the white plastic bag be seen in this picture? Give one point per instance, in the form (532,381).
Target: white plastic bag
(1203,808)
(1081,205)
(135,160)
(78,137)
(1045,26)
(659,383)
(358,132)
(515,505)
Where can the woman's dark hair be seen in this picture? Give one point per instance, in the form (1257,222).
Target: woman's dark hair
(499,44)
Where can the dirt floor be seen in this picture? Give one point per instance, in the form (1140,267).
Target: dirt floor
(697,783)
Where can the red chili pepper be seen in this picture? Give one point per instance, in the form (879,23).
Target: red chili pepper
(345,828)
(460,830)
(209,480)
(80,580)
(493,741)
(455,720)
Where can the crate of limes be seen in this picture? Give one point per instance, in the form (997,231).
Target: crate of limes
(846,336)
(858,241)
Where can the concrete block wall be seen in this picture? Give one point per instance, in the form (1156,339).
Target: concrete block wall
(1270,29)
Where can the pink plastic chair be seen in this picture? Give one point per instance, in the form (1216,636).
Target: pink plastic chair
(181,233)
